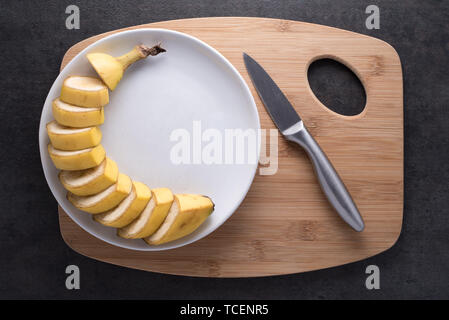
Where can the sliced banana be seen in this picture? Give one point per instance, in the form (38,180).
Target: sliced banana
(66,138)
(104,200)
(152,216)
(90,181)
(93,181)
(78,159)
(84,92)
(128,209)
(77,117)
(186,214)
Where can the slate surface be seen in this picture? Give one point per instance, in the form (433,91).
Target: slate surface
(33,39)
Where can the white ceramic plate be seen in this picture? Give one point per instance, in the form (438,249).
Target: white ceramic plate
(190,82)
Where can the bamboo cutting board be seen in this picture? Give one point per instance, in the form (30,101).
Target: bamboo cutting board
(285,224)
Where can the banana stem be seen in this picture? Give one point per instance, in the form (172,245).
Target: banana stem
(138,53)
(153,51)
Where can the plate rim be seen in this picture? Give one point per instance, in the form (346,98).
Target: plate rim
(229,65)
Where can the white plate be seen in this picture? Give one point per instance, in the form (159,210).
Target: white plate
(190,82)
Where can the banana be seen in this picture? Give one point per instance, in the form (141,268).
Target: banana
(76,117)
(84,92)
(111,69)
(104,200)
(151,217)
(90,181)
(93,181)
(186,214)
(77,160)
(66,138)
(128,209)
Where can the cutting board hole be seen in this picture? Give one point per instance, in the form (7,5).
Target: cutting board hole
(337,87)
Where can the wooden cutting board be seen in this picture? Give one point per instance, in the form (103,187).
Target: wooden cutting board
(285,224)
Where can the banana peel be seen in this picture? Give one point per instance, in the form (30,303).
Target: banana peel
(90,181)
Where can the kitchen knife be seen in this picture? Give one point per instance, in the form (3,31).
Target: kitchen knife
(292,127)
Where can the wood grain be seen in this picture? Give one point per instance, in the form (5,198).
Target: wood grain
(285,224)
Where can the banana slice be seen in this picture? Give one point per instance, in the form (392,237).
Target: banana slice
(186,214)
(77,117)
(128,209)
(84,92)
(111,69)
(104,200)
(77,160)
(66,138)
(90,181)
(107,67)
(151,217)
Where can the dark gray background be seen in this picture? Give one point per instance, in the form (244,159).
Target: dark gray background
(33,40)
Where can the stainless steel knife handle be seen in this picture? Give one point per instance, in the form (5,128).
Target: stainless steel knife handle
(330,182)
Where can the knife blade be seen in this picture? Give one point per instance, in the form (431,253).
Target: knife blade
(292,127)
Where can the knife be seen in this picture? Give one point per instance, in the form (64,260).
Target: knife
(292,128)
